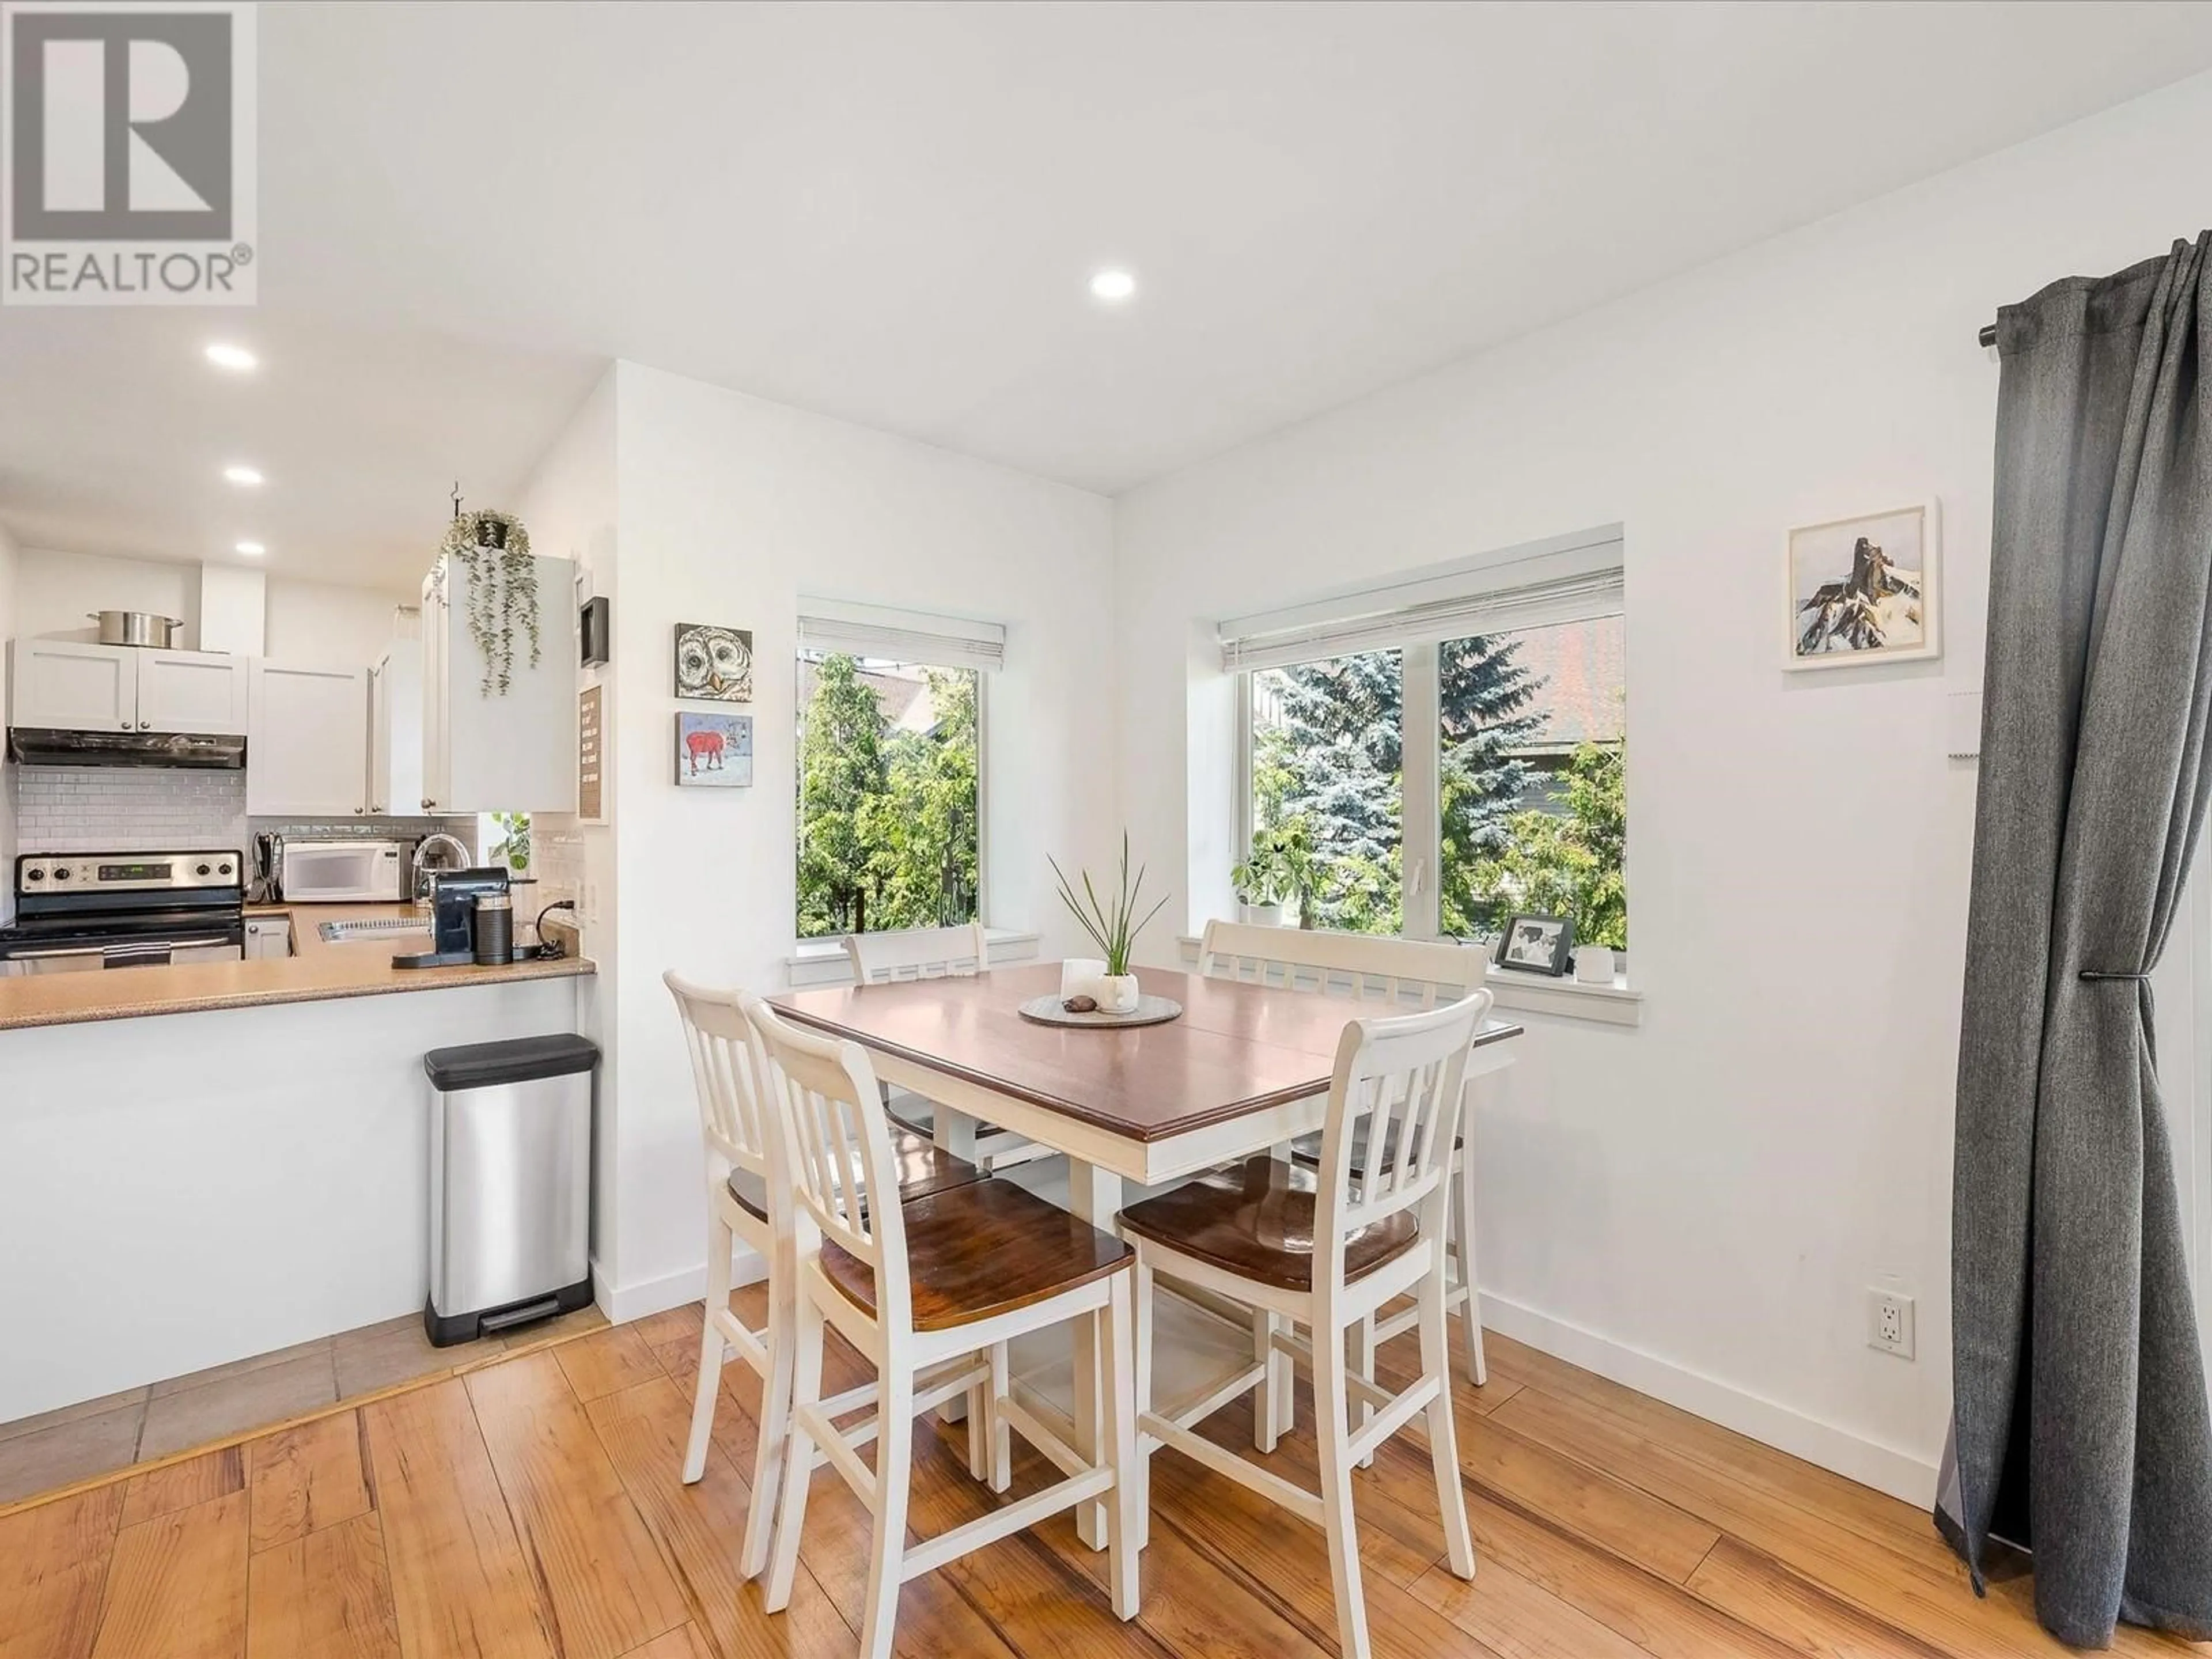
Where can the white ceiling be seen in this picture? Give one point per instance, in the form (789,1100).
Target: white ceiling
(889,213)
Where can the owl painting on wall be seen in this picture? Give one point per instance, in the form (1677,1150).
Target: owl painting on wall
(713,663)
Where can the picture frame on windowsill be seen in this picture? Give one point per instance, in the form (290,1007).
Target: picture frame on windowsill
(1538,944)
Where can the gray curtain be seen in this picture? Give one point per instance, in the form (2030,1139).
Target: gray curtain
(2080,1428)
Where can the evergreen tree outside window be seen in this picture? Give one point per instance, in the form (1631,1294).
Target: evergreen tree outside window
(889,825)
(1528,767)
(1326,741)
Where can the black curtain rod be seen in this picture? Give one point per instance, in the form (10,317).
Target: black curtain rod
(1988,336)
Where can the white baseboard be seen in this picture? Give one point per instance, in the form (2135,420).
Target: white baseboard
(623,1302)
(1870,1463)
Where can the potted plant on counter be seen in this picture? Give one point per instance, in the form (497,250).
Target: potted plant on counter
(1281,866)
(1113,926)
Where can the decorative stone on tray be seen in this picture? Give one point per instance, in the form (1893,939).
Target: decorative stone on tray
(1070,1011)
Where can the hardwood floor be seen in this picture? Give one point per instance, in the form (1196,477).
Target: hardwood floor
(534,1508)
(147,1425)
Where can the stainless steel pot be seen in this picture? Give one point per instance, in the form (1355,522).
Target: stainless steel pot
(136,628)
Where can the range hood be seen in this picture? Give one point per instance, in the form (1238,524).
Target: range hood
(29,745)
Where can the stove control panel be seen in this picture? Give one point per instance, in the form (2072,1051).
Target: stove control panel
(127,873)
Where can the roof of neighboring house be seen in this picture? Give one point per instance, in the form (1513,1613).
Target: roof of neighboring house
(1584,666)
(903,696)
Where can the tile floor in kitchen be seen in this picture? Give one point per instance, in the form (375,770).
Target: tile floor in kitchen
(56,1448)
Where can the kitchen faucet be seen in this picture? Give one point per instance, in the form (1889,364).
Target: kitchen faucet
(442,844)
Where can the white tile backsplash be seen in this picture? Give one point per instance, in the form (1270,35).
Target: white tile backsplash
(98,809)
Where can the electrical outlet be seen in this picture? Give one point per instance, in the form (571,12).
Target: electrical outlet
(1889,1322)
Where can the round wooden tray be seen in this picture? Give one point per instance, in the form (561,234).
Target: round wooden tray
(1151,1011)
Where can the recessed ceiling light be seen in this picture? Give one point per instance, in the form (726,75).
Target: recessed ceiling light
(1113,285)
(242,475)
(232,357)
(252,550)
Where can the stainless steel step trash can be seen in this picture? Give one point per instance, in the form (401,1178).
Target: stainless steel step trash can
(510,1184)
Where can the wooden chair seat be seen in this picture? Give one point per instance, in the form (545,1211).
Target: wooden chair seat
(924,1168)
(1306,1149)
(1366,968)
(976,1251)
(1256,1220)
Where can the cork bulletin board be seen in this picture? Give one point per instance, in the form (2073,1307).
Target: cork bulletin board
(591,756)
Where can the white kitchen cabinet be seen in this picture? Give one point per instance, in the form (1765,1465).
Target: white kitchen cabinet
(194,691)
(70,685)
(488,753)
(395,731)
(306,754)
(268,937)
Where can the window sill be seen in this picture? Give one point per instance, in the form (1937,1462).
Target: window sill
(822,961)
(1617,1004)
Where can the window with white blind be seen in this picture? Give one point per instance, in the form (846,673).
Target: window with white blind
(890,767)
(1432,755)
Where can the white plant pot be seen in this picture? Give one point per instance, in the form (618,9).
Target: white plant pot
(1262,915)
(1593,964)
(1116,994)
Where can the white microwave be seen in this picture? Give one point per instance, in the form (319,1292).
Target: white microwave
(355,870)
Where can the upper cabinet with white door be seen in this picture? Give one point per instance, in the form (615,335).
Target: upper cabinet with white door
(488,751)
(194,691)
(69,685)
(395,731)
(307,752)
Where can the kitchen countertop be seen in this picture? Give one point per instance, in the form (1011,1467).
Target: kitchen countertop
(320,972)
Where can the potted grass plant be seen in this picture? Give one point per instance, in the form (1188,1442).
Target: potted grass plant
(1113,926)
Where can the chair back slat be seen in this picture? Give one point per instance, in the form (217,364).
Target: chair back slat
(921,953)
(725,1072)
(1405,1074)
(830,1140)
(1391,973)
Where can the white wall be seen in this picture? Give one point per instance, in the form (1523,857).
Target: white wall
(323,622)
(730,508)
(234,612)
(305,622)
(1700,1205)
(55,589)
(568,507)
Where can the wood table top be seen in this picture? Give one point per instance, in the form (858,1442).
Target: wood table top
(1237,1048)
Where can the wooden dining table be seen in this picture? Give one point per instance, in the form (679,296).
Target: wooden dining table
(1245,1068)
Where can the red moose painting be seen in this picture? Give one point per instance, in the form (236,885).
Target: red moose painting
(714,751)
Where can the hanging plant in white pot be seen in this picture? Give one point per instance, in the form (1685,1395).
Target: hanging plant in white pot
(494,548)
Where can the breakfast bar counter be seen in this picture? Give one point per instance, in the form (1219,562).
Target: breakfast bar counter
(319,972)
(213,1160)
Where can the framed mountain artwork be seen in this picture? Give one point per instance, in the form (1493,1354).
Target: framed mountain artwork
(1863,589)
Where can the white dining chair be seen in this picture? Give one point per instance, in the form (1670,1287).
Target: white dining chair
(929,1292)
(937,953)
(744,1202)
(1320,1253)
(1392,974)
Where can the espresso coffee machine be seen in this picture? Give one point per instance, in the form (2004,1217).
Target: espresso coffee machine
(454,917)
